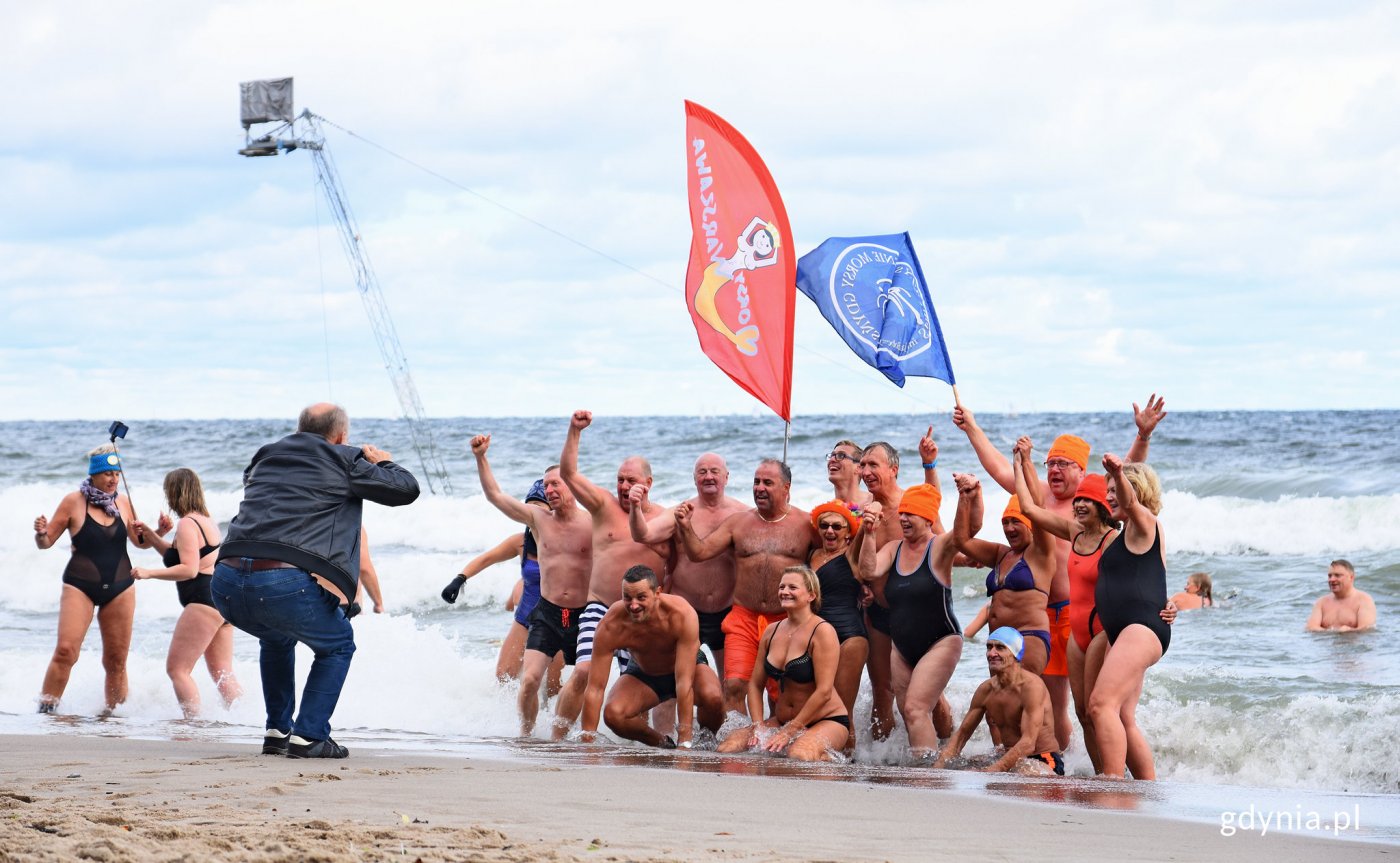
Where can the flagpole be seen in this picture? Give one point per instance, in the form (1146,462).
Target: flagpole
(787,432)
(956,401)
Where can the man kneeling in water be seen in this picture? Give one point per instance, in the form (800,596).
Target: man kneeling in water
(662,635)
(1017,704)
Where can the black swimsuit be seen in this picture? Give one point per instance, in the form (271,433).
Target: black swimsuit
(99,566)
(1132,588)
(798,670)
(192,590)
(921,608)
(841,598)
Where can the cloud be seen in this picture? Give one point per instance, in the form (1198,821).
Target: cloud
(1192,199)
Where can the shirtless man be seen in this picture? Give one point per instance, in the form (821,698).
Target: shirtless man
(843,472)
(614,552)
(661,634)
(1017,706)
(1065,466)
(764,540)
(879,470)
(1345,609)
(565,540)
(708,586)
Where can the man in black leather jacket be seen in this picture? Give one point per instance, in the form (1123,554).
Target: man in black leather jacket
(302,498)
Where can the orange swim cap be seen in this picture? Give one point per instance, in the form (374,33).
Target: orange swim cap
(1071,448)
(922,500)
(841,508)
(1094,487)
(1013,510)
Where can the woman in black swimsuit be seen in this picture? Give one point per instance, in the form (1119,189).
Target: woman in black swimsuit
(1131,591)
(916,574)
(189,562)
(809,721)
(835,564)
(96,578)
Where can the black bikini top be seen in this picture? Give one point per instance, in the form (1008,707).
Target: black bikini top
(172,554)
(799,669)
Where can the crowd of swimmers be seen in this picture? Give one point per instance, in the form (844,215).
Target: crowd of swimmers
(796,608)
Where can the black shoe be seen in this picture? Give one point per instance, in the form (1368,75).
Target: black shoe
(275,742)
(327,748)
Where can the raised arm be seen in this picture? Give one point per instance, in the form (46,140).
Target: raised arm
(928,453)
(590,495)
(970,510)
(1139,523)
(375,477)
(657,530)
(1030,497)
(696,548)
(510,507)
(993,462)
(1146,420)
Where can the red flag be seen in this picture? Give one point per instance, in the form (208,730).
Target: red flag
(741,282)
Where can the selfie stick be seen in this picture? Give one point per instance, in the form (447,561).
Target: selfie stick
(118,429)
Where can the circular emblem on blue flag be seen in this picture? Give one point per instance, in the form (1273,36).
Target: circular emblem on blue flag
(880,301)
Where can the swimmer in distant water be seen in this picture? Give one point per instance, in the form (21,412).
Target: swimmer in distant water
(757,247)
(1345,609)
(97,577)
(1197,593)
(1016,704)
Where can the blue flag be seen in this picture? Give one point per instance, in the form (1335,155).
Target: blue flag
(872,291)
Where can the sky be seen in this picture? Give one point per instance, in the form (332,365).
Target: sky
(1109,200)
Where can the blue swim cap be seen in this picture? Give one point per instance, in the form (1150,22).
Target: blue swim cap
(536,492)
(103,462)
(1011,638)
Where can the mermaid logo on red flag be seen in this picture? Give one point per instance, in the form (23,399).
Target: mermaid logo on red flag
(741,281)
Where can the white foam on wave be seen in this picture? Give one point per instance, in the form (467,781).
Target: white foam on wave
(1289,525)
(1320,742)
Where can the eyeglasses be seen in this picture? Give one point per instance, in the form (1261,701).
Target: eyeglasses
(839,456)
(1060,463)
(831,525)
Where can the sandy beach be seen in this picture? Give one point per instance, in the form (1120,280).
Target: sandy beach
(73,797)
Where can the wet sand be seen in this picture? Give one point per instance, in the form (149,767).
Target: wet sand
(68,797)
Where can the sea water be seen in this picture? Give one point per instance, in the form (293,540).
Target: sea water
(1244,697)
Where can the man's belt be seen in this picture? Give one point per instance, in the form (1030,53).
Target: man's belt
(257,564)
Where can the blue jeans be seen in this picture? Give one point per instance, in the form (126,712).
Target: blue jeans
(281,607)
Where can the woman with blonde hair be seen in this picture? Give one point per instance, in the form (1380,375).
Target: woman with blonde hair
(800,652)
(189,562)
(1129,596)
(1196,594)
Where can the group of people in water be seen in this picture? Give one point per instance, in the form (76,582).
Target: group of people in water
(794,606)
(797,607)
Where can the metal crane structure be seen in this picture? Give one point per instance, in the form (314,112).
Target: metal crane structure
(271,101)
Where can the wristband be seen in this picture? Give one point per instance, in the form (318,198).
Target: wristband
(930,465)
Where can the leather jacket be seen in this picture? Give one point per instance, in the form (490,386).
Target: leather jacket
(301,505)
